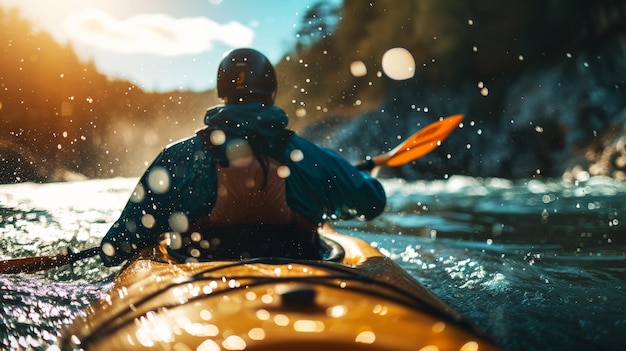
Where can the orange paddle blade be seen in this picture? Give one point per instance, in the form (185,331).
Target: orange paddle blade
(424,141)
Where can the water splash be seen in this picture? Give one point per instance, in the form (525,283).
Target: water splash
(530,262)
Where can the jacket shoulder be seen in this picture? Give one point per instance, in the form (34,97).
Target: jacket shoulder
(188,142)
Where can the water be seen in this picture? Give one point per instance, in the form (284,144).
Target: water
(535,264)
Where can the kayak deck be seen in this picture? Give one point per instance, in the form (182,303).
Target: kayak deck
(364,301)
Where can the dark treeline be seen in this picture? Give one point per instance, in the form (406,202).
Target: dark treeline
(453,42)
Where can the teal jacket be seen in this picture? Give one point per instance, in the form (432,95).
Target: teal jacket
(183,179)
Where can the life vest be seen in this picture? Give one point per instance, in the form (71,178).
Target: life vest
(251,217)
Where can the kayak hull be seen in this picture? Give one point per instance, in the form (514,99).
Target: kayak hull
(363,301)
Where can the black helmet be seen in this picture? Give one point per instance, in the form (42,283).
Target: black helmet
(246,74)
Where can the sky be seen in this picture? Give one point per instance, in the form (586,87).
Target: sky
(164,45)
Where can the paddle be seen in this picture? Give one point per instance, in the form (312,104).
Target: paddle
(419,144)
(40,263)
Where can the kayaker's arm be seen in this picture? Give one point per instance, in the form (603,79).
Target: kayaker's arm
(156,204)
(322,184)
(140,219)
(356,193)
(363,195)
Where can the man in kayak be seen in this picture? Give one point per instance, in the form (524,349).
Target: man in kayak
(243,186)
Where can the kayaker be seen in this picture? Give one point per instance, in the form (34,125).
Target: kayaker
(244,185)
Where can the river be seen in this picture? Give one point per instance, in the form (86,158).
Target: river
(536,264)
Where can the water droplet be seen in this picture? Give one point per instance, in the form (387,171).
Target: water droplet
(398,64)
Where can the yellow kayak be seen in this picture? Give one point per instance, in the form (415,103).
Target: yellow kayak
(358,299)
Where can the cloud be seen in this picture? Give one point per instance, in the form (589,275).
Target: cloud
(157,34)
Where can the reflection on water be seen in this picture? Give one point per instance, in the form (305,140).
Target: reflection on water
(34,308)
(536,264)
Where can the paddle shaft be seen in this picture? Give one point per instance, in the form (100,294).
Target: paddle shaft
(36,264)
